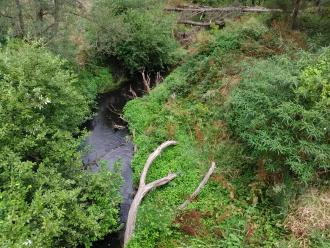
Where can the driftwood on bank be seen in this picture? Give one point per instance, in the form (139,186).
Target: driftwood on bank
(145,188)
(224,9)
(199,188)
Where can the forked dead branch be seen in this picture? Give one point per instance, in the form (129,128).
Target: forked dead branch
(145,188)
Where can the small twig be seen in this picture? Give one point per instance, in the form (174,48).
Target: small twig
(113,110)
(134,95)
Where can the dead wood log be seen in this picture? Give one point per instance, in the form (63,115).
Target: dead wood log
(224,9)
(199,188)
(145,188)
(202,24)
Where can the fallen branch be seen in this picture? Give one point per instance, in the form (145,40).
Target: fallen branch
(202,24)
(199,188)
(225,9)
(145,188)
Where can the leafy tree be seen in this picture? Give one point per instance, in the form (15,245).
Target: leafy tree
(47,199)
(56,22)
(36,18)
(281,112)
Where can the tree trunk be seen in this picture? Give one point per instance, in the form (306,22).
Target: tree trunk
(318,5)
(56,14)
(39,16)
(21,31)
(295,13)
(39,11)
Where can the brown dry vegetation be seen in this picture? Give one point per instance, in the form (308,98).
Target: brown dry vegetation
(224,183)
(311,212)
(229,83)
(283,30)
(190,222)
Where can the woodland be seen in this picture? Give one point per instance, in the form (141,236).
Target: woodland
(226,104)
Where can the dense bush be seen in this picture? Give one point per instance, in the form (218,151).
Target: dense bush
(95,79)
(137,34)
(281,111)
(47,199)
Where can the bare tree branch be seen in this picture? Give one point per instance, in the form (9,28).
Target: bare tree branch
(159,78)
(146,81)
(134,95)
(145,188)
(199,188)
(20,18)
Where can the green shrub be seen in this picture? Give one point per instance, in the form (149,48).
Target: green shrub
(316,26)
(281,113)
(96,79)
(138,36)
(46,198)
(314,87)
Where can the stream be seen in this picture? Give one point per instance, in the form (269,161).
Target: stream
(109,141)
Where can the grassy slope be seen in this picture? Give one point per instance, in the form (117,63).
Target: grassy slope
(189,107)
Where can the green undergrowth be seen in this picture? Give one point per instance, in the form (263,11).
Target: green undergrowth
(234,209)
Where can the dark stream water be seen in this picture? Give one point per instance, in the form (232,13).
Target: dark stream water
(109,143)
